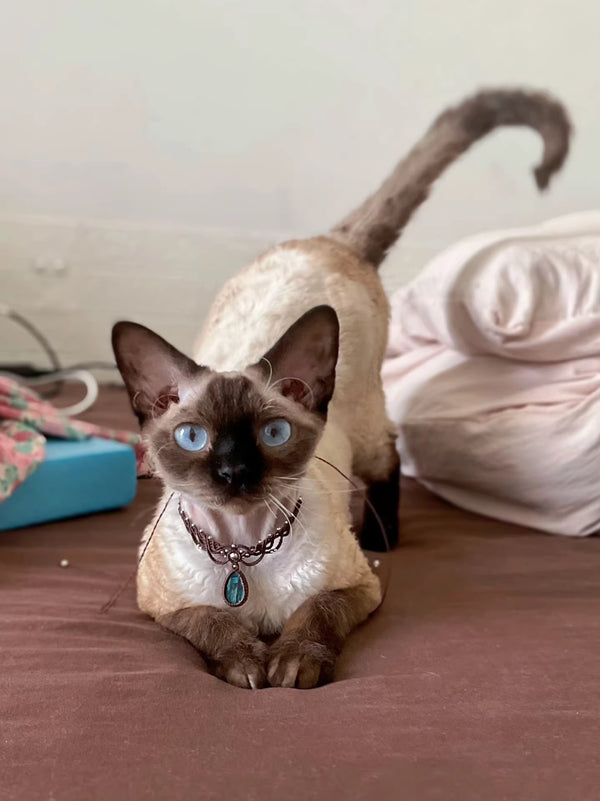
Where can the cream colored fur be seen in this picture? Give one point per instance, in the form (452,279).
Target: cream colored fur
(257,306)
(250,314)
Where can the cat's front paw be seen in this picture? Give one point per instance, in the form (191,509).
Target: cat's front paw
(243,665)
(303,663)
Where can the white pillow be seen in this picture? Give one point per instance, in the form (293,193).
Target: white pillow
(493,375)
(531,294)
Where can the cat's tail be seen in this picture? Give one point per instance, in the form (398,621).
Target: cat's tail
(372,228)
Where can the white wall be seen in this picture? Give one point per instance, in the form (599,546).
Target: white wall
(150,147)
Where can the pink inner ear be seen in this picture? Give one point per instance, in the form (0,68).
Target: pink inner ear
(297,390)
(165,398)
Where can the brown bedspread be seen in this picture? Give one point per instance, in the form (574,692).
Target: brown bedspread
(478,678)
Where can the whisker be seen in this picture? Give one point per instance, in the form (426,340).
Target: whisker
(303,478)
(288,514)
(278,503)
(294,478)
(363,491)
(162,447)
(294,378)
(346,491)
(270,508)
(264,359)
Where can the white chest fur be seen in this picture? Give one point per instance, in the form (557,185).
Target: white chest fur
(321,553)
(250,314)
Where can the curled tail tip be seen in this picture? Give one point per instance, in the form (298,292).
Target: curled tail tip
(542,175)
(556,132)
(539,110)
(542,178)
(372,228)
(557,139)
(549,166)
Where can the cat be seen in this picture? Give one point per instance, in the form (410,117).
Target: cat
(283,392)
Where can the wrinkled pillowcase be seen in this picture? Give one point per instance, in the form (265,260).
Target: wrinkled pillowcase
(493,375)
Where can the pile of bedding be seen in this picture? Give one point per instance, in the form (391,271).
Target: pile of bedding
(493,375)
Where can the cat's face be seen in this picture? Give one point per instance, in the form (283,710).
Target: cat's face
(232,440)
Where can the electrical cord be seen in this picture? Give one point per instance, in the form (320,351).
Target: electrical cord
(93,366)
(57,374)
(36,334)
(85,377)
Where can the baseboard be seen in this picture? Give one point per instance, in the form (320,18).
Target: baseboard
(74,278)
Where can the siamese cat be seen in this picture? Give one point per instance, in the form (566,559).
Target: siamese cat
(251,555)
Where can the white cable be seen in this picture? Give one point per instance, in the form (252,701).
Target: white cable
(84,376)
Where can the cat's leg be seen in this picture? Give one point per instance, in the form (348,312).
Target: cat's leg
(305,653)
(376,462)
(231,651)
(384,496)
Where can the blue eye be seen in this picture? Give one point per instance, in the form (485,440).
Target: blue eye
(191,438)
(275,433)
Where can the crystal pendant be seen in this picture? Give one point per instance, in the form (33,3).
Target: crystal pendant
(235,589)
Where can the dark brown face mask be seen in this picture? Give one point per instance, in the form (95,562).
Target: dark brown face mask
(228,439)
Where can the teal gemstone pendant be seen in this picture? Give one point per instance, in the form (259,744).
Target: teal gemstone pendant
(235,589)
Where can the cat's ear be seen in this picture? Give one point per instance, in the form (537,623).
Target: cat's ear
(301,365)
(154,371)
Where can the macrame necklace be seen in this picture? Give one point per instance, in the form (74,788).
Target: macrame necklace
(235,587)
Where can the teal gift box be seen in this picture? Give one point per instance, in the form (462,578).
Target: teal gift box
(76,478)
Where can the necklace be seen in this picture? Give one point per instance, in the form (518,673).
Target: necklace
(235,588)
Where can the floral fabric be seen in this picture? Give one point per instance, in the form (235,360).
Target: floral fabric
(25,419)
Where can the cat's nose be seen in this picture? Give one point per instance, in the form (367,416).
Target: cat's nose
(236,475)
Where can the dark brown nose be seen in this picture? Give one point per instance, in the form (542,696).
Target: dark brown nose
(236,460)
(237,476)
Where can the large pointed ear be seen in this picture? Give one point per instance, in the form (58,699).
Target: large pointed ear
(301,365)
(154,371)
